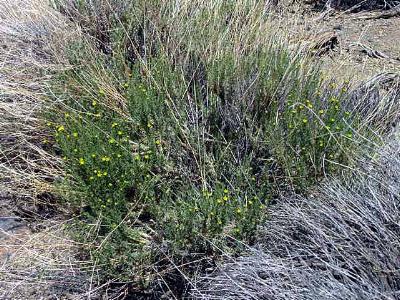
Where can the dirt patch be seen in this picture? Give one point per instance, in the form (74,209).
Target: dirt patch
(12,235)
(366,46)
(365,42)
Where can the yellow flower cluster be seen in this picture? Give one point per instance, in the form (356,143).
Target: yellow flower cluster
(106,158)
(100,173)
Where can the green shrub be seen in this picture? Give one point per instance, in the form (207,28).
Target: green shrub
(169,145)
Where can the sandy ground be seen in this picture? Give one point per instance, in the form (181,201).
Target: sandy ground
(381,35)
(352,34)
(355,33)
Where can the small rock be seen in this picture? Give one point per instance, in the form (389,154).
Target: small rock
(9,223)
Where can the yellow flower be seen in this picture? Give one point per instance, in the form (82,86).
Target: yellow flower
(126,85)
(146,157)
(226,191)
(120,132)
(158,142)
(334,99)
(137,157)
(219,201)
(101,92)
(309,105)
(66,115)
(112,141)
(305,121)
(105,173)
(219,222)
(81,161)
(225,198)
(119,155)
(250,202)
(238,210)
(114,125)
(321,111)
(60,128)
(49,123)
(93,155)
(75,134)
(94,103)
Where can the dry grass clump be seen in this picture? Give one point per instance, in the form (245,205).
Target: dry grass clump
(43,265)
(376,100)
(31,35)
(341,243)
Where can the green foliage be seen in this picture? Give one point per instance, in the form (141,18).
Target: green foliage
(318,134)
(128,168)
(168,146)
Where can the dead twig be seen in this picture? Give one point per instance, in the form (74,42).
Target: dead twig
(393,12)
(370,52)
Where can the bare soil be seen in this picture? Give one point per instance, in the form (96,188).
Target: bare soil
(365,45)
